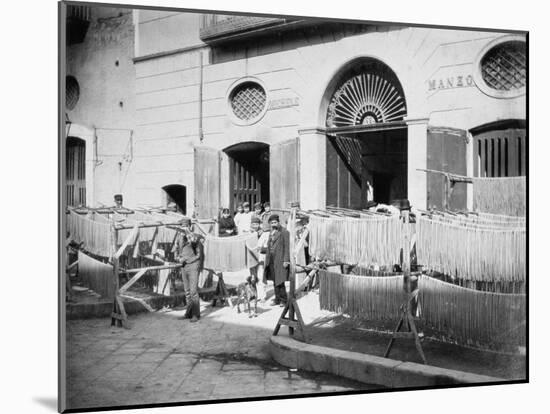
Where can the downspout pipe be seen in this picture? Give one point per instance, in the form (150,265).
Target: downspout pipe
(201,135)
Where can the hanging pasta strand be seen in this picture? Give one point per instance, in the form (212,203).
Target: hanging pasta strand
(472,316)
(472,251)
(500,195)
(229,254)
(367,297)
(94,236)
(364,241)
(96,275)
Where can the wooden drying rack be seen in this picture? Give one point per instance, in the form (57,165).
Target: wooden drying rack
(295,319)
(119,316)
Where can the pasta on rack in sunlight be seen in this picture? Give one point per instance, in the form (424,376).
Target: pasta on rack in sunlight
(362,241)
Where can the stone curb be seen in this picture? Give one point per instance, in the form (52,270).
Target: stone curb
(366,368)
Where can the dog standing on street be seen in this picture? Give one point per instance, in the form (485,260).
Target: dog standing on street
(246,292)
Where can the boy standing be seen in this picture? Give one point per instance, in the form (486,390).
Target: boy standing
(259,270)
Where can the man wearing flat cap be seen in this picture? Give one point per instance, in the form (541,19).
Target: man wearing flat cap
(277,259)
(189,253)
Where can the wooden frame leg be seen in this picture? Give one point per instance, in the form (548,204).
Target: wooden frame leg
(392,340)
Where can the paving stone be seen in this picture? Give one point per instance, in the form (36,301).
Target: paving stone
(240,366)
(162,359)
(149,356)
(122,358)
(129,371)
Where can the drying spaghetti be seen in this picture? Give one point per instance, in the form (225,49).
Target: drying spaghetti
(96,275)
(472,316)
(366,297)
(500,195)
(359,241)
(94,236)
(161,233)
(230,254)
(478,253)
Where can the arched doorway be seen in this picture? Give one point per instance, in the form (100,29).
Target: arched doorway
(248,173)
(75,171)
(177,194)
(367,135)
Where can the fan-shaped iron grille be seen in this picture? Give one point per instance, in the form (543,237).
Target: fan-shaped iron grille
(248,101)
(72,92)
(504,67)
(366,99)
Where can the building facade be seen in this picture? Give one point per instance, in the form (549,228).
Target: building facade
(222,109)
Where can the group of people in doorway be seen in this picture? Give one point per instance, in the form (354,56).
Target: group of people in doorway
(241,221)
(272,250)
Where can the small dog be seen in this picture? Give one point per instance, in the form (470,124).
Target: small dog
(247,291)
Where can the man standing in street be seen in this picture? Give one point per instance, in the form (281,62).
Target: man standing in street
(277,259)
(189,254)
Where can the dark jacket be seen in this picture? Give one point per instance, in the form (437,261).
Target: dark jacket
(277,252)
(226,224)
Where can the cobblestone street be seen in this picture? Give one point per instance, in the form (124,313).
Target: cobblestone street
(163,358)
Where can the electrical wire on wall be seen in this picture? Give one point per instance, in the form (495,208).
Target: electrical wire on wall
(127,156)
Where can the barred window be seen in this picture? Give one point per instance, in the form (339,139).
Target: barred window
(503,67)
(72,92)
(248,101)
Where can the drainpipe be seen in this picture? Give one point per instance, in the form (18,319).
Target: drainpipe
(201,135)
(95,148)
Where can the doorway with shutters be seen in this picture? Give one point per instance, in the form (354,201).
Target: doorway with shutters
(75,171)
(255,172)
(248,173)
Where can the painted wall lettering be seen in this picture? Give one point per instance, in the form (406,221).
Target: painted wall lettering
(283,103)
(451,82)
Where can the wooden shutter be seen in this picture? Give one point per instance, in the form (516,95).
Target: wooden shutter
(446,152)
(284,159)
(207,182)
(76,171)
(500,153)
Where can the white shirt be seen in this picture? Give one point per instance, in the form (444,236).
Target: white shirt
(262,242)
(237,219)
(244,221)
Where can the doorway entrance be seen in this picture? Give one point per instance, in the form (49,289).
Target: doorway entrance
(177,194)
(384,155)
(248,173)
(367,166)
(75,171)
(367,135)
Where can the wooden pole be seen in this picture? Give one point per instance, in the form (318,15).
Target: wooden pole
(294,320)
(292,230)
(161,267)
(406,318)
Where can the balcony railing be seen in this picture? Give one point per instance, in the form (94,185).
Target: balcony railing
(218,27)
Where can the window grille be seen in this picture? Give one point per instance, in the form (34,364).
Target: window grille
(248,101)
(504,66)
(72,92)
